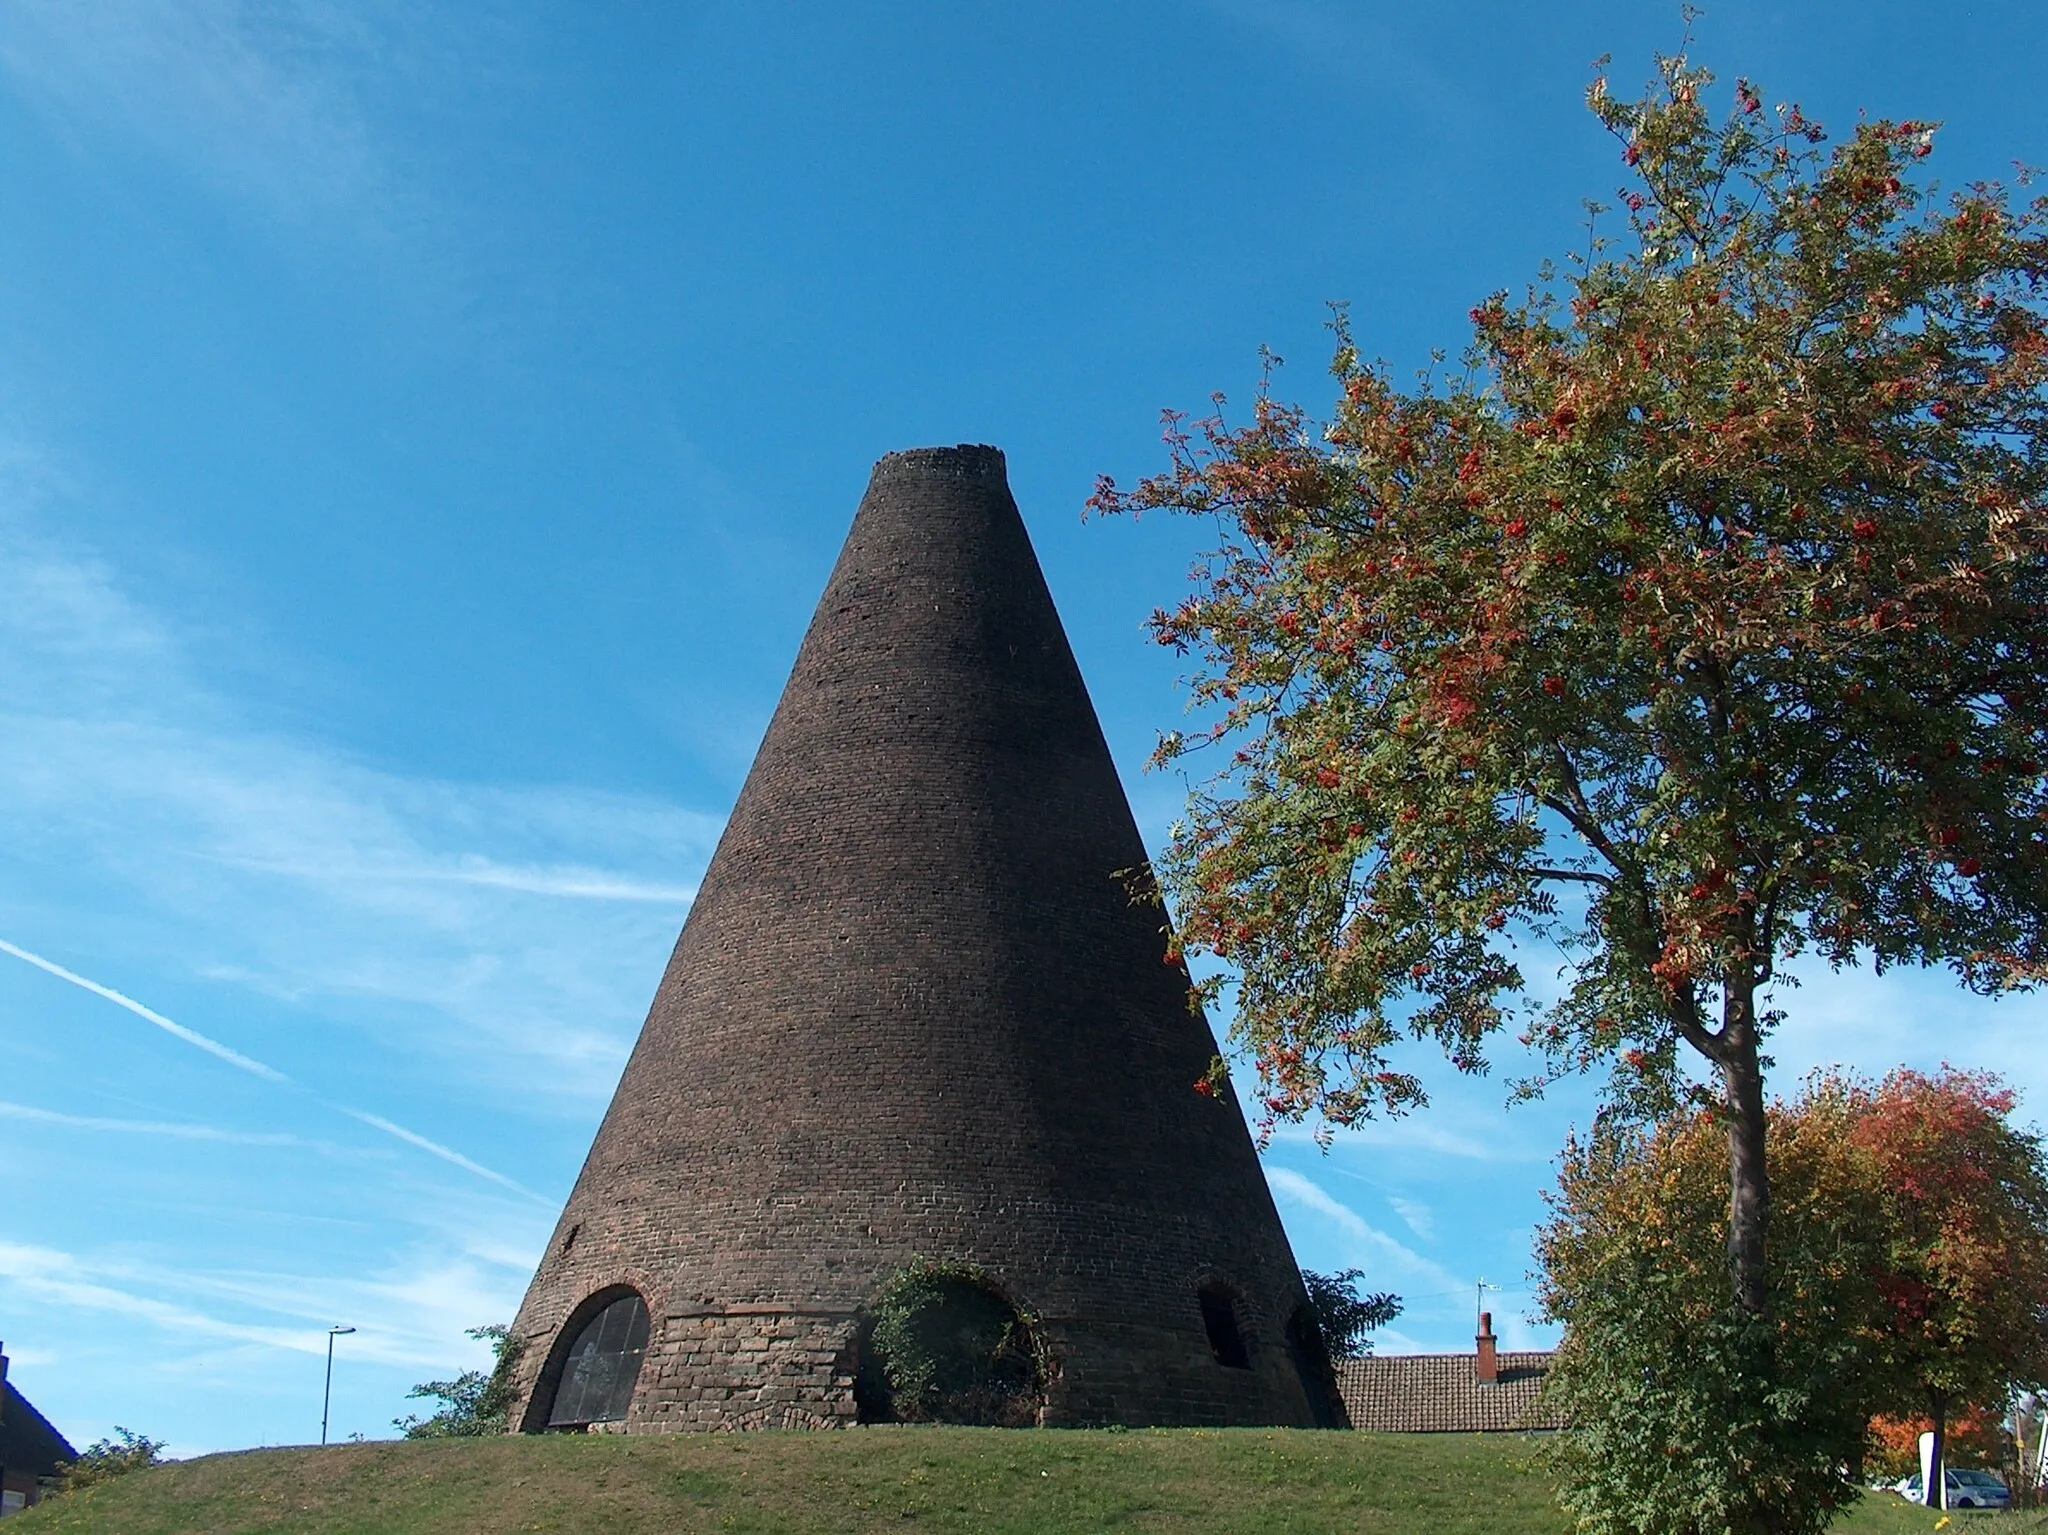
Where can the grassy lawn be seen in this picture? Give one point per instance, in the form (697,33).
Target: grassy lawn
(1886,1515)
(1245,1482)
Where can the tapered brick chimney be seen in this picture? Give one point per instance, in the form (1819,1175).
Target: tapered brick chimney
(1486,1367)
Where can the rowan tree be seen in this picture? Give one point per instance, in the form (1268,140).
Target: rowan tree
(1695,625)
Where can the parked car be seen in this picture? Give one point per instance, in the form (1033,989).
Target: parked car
(1966,1489)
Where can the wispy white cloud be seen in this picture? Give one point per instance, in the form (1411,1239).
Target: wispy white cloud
(170,1130)
(565,883)
(263,99)
(1388,1260)
(1422,1134)
(327,883)
(514,931)
(1393,1340)
(1418,1217)
(1518,1332)
(49,1275)
(1917,1018)
(408,1315)
(256,1068)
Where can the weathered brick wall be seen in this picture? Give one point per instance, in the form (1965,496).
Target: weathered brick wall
(913,1013)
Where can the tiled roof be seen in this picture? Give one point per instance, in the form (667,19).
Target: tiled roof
(1436,1394)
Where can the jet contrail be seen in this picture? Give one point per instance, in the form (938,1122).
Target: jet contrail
(435,1148)
(191,1036)
(184,1132)
(242,1062)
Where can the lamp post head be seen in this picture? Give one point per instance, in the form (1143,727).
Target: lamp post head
(335,1332)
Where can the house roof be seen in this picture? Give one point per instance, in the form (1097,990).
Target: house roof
(1437,1394)
(28,1442)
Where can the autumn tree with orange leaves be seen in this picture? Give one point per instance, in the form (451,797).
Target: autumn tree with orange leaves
(1975,1436)
(1909,1282)
(1963,1270)
(1699,623)
(1683,1413)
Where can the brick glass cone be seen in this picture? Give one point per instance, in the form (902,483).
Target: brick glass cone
(915,1015)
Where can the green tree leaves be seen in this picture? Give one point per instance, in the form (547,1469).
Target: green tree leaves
(105,1459)
(940,1344)
(1909,1244)
(1699,623)
(474,1404)
(1346,1318)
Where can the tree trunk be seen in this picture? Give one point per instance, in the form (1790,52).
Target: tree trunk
(1749,1186)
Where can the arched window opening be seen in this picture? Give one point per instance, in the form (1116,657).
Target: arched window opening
(602,1366)
(1219,1319)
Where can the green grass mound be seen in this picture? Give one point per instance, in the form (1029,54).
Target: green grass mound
(986,1481)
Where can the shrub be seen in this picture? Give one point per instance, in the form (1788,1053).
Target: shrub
(474,1405)
(940,1344)
(105,1459)
(1687,1414)
(1345,1317)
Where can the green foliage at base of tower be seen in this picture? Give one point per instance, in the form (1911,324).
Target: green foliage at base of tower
(475,1403)
(940,1344)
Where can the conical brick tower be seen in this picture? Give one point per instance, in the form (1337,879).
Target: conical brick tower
(915,1016)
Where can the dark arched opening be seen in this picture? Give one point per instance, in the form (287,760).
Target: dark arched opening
(1219,1320)
(941,1344)
(594,1365)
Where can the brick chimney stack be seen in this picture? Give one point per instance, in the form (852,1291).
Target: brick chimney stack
(1486,1368)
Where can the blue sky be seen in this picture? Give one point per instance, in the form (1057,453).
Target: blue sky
(424,431)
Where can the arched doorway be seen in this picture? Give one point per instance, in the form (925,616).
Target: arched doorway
(595,1380)
(941,1344)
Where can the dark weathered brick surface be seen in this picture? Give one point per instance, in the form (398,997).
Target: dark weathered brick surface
(913,1013)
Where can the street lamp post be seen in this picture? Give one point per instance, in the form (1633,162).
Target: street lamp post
(327,1391)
